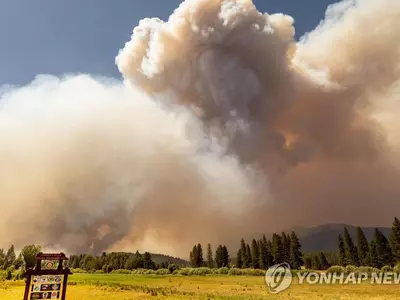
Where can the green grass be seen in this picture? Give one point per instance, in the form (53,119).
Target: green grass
(124,287)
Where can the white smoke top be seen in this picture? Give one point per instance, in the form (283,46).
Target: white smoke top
(225,126)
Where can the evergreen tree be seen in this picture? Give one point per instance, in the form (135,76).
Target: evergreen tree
(199,258)
(210,261)
(286,247)
(248,255)
(270,258)
(9,258)
(193,256)
(362,248)
(383,249)
(373,254)
(243,252)
(350,249)
(296,257)
(395,240)
(138,262)
(219,257)
(255,257)
(225,256)
(342,251)
(239,262)
(262,250)
(324,264)
(2,258)
(315,262)
(277,249)
(147,261)
(130,263)
(307,262)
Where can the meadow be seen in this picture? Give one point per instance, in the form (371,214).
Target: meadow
(130,286)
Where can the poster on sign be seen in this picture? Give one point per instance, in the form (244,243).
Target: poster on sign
(48,280)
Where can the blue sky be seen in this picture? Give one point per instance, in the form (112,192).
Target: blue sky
(84,36)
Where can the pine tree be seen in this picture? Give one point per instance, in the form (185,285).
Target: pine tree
(362,248)
(307,262)
(220,258)
(383,249)
(199,257)
(373,254)
(245,257)
(286,247)
(262,250)
(210,261)
(193,256)
(277,249)
(225,256)
(147,261)
(342,251)
(350,249)
(270,258)
(239,262)
(9,258)
(248,255)
(324,264)
(315,262)
(255,257)
(296,257)
(395,240)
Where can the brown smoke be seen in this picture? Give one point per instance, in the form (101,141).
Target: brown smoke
(224,126)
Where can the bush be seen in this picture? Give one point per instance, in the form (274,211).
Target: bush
(99,272)
(235,272)
(386,269)
(223,270)
(150,272)
(185,271)
(162,272)
(351,269)
(367,269)
(172,268)
(396,268)
(336,269)
(77,271)
(121,271)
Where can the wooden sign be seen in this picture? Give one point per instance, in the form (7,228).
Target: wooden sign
(48,280)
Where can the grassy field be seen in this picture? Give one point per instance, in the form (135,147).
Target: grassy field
(124,287)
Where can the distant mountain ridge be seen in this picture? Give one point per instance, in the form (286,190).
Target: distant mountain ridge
(325,237)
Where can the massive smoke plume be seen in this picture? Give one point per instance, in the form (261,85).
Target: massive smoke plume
(224,126)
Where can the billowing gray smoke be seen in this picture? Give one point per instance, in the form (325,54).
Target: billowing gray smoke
(224,126)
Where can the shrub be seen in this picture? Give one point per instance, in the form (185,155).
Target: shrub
(351,269)
(386,269)
(336,269)
(172,268)
(99,272)
(223,270)
(235,272)
(121,271)
(162,272)
(150,272)
(185,271)
(396,268)
(77,271)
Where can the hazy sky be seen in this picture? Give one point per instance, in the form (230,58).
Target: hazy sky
(70,36)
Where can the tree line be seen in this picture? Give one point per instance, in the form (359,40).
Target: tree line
(380,251)
(260,254)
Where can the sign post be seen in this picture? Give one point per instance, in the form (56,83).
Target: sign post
(48,280)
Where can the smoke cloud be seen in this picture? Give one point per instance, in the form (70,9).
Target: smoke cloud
(224,126)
